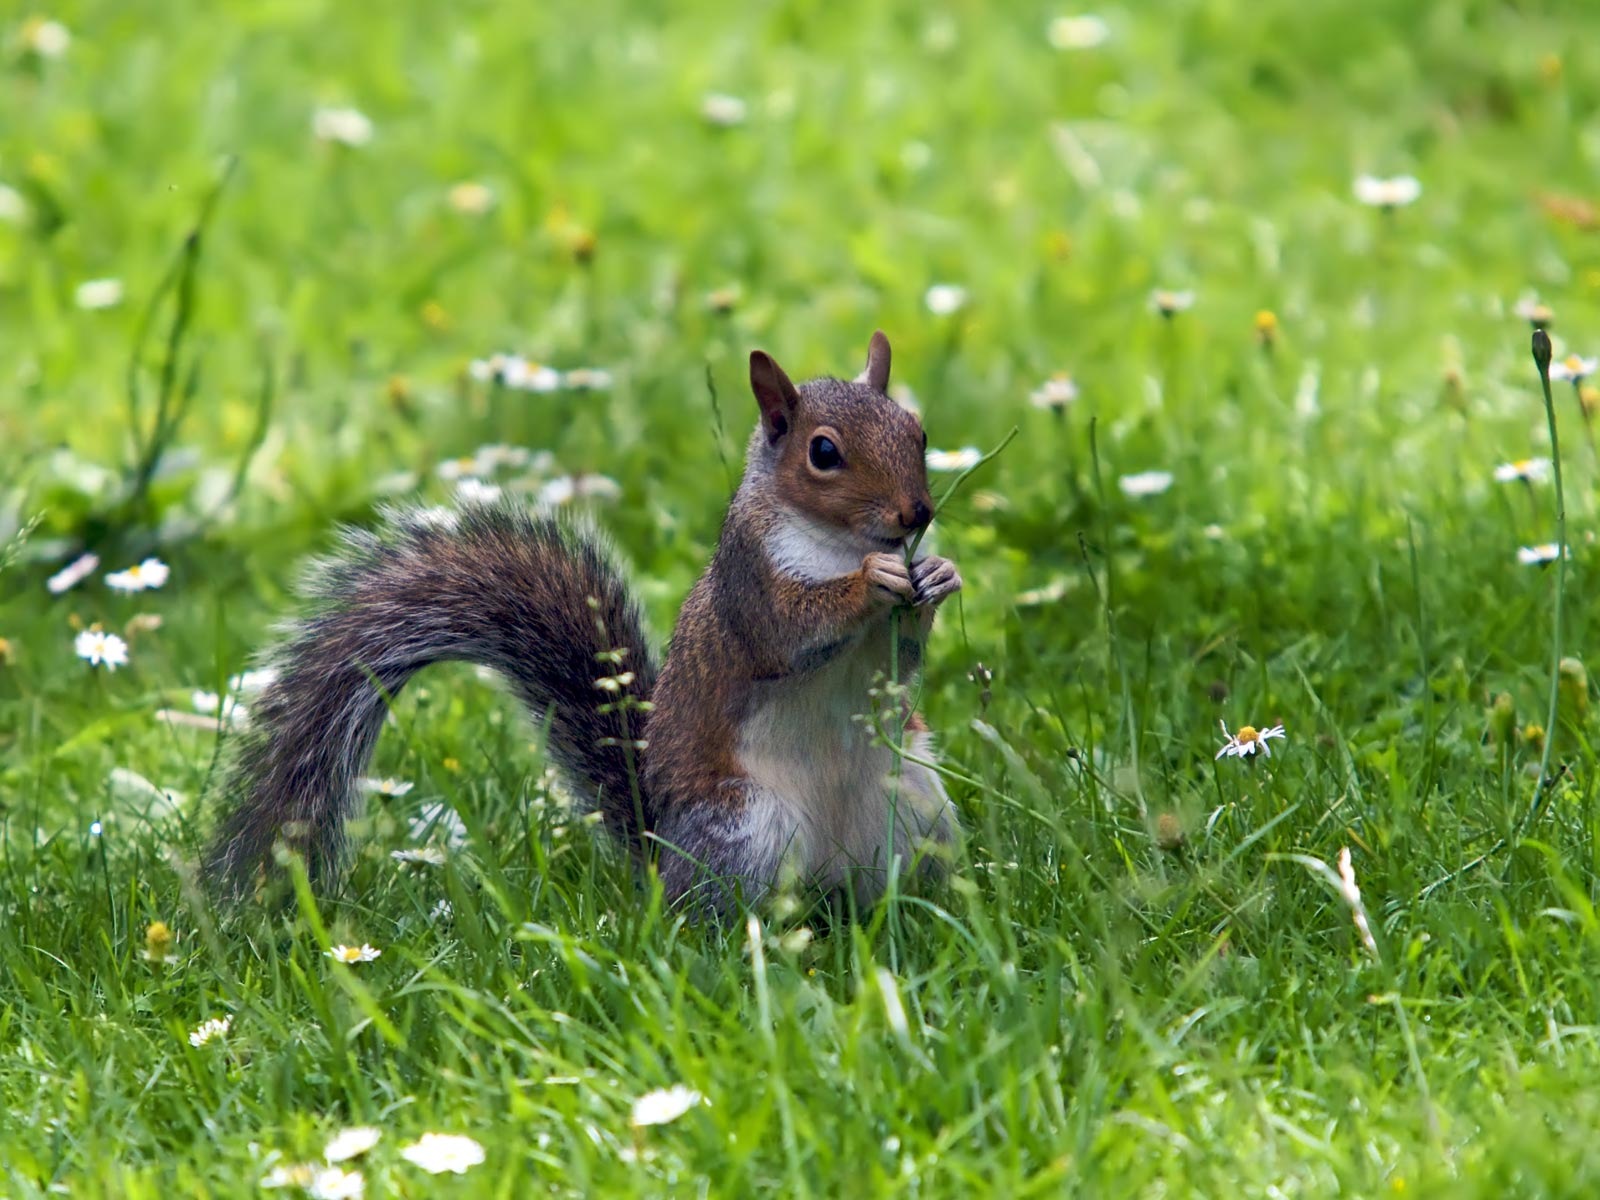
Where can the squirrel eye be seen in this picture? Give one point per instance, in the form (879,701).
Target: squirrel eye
(825,455)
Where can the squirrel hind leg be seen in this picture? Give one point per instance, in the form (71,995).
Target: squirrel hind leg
(716,856)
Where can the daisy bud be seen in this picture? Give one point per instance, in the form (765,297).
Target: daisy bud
(1503,720)
(1541,352)
(1267,328)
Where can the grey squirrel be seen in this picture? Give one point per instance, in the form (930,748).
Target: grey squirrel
(740,759)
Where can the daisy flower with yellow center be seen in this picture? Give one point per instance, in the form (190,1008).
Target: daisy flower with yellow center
(440,1152)
(1528,470)
(943,299)
(471,198)
(1055,393)
(1083,32)
(1539,556)
(954,460)
(354,954)
(1167,303)
(45,38)
(97,647)
(346,126)
(210,1030)
(1534,312)
(352,1143)
(1389,194)
(1574,368)
(1248,740)
(427,856)
(151,573)
(387,787)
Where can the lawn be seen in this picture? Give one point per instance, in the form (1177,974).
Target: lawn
(300,223)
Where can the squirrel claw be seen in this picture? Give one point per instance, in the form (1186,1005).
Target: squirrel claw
(889,578)
(934,579)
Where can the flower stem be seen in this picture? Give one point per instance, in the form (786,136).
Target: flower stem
(1541,788)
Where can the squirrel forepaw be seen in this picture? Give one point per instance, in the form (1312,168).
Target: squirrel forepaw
(889,579)
(934,579)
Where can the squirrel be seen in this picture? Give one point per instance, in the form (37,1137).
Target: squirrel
(740,760)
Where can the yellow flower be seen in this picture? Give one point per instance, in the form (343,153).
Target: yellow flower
(1266,327)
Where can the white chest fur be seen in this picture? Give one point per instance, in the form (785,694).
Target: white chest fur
(826,793)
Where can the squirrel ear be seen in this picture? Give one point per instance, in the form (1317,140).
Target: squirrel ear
(775,394)
(876,374)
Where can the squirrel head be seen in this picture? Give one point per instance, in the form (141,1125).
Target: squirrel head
(843,453)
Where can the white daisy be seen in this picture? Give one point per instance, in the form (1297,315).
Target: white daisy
(71,575)
(1529,470)
(943,299)
(335,1183)
(1395,192)
(1054,393)
(1248,740)
(427,856)
(471,198)
(291,1175)
(492,457)
(663,1105)
(209,1031)
(98,293)
(442,819)
(1048,594)
(723,299)
(1145,483)
(12,206)
(347,126)
(151,573)
(246,682)
(1169,302)
(351,1143)
(353,954)
(1534,311)
(46,38)
(452,470)
(226,707)
(517,372)
(388,787)
(954,460)
(1078,33)
(588,379)
(718,108)
(440,1152)
(97,647)
(1574,368)
(1541,555)
(476,491)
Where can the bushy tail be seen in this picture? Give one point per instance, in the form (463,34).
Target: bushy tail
(529,596)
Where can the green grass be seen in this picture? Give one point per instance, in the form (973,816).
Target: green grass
(1079,1010)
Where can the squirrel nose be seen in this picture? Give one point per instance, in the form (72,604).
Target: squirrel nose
(917,516)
